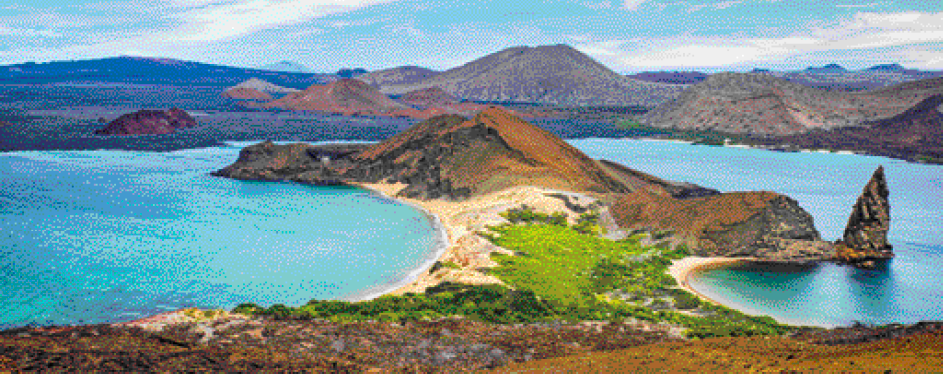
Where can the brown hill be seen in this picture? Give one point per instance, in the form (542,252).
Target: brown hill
(396,76)
(553,74)
(453,157)
(429,97)
(346,96)
(149,122)
(763,104)
(766,225)
(242,93)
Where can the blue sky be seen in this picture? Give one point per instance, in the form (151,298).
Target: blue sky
(628,36)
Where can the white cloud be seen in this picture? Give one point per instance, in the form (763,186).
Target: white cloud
(867,5)
(223,20)
(11,31)
(861,32)
(632,4)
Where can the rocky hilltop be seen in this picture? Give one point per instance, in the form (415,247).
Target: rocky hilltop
(762,104)
(866,236)
(149,122)
(552,74)
(346,96)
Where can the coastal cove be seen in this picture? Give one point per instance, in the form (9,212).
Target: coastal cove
(908,290)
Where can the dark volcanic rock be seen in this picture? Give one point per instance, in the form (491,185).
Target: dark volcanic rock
(765,225)
(144,122)
(866,235)
(296,162)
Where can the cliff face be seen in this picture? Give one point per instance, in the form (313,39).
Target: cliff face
(149,122)
(765,225)
(866,236)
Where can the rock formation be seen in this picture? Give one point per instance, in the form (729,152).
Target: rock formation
(551,74)
(765,225)
(866,236)
(761,104)
(149,122)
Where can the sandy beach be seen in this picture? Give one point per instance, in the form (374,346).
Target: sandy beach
(683,269)
(462,220)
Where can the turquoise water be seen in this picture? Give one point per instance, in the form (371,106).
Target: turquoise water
(909,289)
(105,236)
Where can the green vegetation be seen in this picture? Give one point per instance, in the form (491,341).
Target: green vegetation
(557,272)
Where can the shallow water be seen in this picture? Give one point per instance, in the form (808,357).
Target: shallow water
(909,289)
(104,236)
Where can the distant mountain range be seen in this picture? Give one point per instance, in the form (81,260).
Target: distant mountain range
(751,103)
(146,70)
(552,74)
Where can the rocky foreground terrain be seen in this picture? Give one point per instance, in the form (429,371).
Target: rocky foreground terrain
(203,341)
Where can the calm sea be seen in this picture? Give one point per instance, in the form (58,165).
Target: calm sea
(909,289)
(105,236)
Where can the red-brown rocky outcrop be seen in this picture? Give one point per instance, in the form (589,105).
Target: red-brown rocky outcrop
(149,122)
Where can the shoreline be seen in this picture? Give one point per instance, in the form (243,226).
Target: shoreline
(441,243)
(683,269)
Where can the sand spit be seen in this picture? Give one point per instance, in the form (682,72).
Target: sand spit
(463,220)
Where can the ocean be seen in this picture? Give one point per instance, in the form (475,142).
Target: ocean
(106,236)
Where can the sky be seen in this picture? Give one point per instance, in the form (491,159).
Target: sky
(627,36)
